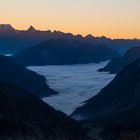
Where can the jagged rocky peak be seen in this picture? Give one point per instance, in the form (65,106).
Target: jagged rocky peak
(6,28)
(89,36)
(31,29)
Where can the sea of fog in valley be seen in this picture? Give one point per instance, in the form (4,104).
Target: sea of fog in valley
(75,84)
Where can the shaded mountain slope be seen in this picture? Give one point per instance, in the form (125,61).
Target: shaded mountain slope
(117,64)
(24,116)
(13,73)
(118,103)
(61,52)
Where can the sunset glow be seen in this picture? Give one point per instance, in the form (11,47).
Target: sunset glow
(111,18)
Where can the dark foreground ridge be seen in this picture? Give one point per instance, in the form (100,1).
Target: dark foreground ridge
(114,113)
(23,116)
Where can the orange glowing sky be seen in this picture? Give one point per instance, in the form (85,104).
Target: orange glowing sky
(111,18)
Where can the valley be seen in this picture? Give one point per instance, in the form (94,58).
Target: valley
(74,83)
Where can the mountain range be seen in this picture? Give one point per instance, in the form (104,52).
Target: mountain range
(112,114)
(63,52)
(13,41)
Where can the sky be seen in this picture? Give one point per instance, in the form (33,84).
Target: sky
(111,18)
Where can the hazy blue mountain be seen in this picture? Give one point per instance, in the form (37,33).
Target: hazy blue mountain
(117,64)
(13,41)
(63,52)
(119,45)
(25,116)
(117,105)
(13,73)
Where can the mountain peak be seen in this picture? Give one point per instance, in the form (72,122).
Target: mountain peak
(104,37)
(90,36)
(6,28)
(31,29)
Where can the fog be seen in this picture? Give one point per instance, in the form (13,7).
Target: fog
(75,84)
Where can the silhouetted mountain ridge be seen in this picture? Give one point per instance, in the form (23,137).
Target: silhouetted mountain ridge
(13,41)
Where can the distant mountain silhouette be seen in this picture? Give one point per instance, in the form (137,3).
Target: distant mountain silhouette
(119,45)
(23,116)
(13,41)
(6,28)
(117,64)
(117,105)
(61,52)
(31,29)
(13,73)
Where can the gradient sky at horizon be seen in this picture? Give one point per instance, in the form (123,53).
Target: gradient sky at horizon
(111,18)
